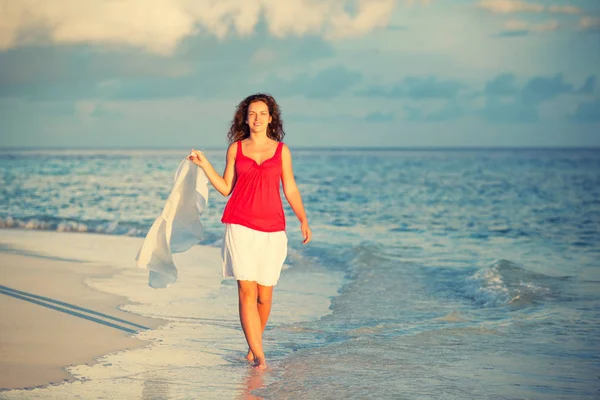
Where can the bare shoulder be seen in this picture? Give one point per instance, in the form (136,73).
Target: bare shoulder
(286,155)
(232,150)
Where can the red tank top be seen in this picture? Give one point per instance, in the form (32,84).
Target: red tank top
(255,201)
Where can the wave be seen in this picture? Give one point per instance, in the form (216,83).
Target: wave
(118,228)
(71,225)
(506,283)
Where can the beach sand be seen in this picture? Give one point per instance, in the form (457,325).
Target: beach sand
(36,340)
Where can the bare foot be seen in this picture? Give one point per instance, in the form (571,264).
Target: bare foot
(250,356)
(260,363)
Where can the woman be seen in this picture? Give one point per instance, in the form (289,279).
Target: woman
(255,242)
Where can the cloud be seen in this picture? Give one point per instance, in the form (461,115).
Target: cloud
(546,27)
(417,88)
(509,6)
(564,9)
(325,84)
(413,2)
(587,112)
(371,14)
(312,118)
(542,88)
(534,91)
(429,91)
(518,6)
(515,27)
(159,25)
(329,118)
(201,67)
(502,85)
(505,101)
(512,33)
(589,23)
(379,117)
(448,112)
(589,85)
(498,110)
(396,28)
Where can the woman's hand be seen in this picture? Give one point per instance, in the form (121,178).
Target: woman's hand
(198,158)
(306,232)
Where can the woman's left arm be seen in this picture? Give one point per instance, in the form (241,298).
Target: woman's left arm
(292,194)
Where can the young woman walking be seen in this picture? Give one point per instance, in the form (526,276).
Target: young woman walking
(255,243)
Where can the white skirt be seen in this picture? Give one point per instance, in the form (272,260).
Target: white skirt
(251,255)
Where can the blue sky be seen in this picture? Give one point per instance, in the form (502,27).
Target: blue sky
(169,73)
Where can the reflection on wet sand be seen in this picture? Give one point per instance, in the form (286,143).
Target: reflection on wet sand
(254,380)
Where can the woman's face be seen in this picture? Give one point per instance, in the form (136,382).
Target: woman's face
(258,116)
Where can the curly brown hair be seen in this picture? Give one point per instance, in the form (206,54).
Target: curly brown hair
(239,129)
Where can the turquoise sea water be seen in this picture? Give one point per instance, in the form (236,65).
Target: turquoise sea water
(465,273)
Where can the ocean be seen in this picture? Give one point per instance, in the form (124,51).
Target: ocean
(432,274)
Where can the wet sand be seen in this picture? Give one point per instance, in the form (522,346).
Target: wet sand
(197,353)
(49,317)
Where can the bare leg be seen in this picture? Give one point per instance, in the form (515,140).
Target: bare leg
(265,297)
(250,319)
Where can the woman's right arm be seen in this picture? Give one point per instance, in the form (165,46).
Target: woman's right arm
(224,184)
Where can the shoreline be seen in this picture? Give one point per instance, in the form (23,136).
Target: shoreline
(199,352)
(50,318)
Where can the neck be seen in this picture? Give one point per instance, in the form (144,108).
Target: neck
(259,137)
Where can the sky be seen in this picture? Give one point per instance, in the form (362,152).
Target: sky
(361,73)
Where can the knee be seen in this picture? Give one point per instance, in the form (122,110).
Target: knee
(247,293)
(264,298)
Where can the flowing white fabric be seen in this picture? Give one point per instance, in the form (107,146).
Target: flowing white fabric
(177,228)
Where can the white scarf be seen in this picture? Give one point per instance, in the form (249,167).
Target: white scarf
(177,228)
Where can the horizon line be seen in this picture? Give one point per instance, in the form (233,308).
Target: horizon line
(376,148)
